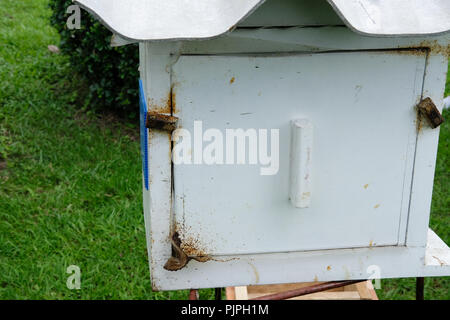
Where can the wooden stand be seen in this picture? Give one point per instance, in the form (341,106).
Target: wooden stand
(359,291)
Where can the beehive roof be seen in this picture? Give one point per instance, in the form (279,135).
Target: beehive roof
(199,19)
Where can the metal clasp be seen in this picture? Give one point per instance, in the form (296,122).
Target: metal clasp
(161,121)
(428,109)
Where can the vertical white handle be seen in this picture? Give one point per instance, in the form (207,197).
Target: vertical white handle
(301,162)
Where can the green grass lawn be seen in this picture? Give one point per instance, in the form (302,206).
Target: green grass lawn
(70,181)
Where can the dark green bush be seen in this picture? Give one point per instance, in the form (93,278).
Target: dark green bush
(110,73)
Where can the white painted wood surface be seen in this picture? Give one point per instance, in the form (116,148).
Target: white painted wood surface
(359,166)
(399,17)
(301,266)
(425,154)
(323,265)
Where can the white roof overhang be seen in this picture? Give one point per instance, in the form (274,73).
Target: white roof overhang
(147,20)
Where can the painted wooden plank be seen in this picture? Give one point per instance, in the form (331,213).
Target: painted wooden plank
(156,76)
(308,40)
(324,265)
(425,155)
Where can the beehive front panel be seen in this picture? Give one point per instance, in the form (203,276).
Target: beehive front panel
(361,106)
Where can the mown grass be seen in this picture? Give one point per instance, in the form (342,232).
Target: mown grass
(70,180)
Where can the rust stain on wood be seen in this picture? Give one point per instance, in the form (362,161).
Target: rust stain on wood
(415,51)
(161,115)
(162,106)
(173,100)
(433,46)
(192,247)
(166,105)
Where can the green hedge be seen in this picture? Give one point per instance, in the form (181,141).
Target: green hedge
(111,73)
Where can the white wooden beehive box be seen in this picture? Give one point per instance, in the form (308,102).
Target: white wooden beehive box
(347,93)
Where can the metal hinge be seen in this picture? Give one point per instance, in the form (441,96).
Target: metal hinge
(179,258)
(428,110)
(161,121)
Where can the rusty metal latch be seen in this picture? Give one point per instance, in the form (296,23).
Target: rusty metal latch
(179,258)
(161,121)
(428,109)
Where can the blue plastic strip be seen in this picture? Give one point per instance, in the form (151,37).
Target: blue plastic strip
(144,132)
